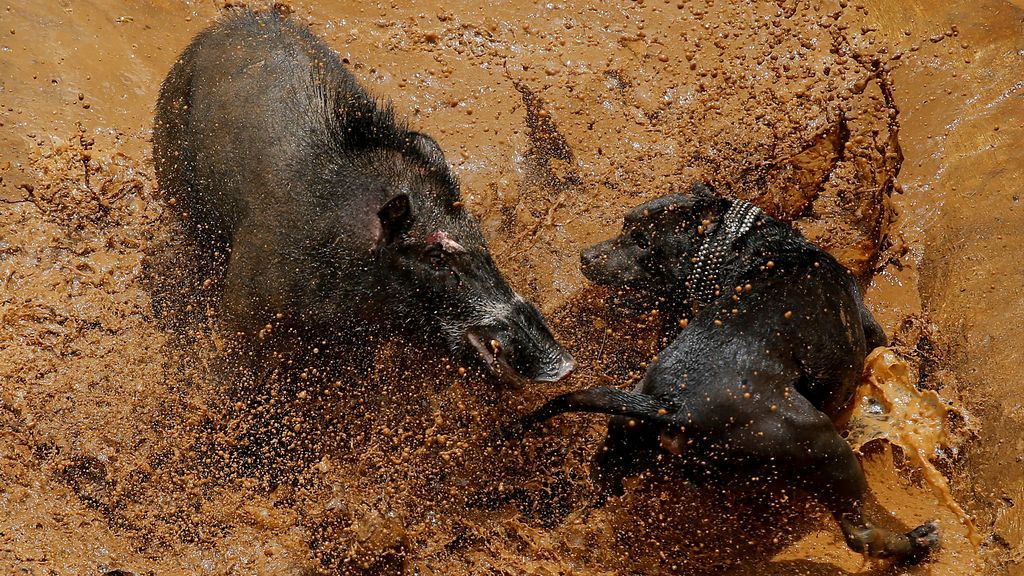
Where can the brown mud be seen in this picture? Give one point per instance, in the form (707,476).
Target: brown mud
(889,133)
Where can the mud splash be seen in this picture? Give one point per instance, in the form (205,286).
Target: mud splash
(872,126)
(888,407)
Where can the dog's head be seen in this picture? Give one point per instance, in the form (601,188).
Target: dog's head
(647,264)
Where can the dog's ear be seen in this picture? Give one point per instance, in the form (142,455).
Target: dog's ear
(702,190)
(654,209)
(707,205)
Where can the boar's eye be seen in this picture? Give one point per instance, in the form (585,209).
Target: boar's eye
(440,262)
(640,239)
(436,257)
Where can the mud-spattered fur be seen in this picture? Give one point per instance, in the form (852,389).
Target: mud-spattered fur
(320,213)
(773,349)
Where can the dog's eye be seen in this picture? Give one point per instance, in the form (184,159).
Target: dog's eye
(640,239)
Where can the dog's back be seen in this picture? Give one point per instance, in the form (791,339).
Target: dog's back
(793,314)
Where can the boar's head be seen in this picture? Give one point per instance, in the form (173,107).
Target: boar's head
(440,279)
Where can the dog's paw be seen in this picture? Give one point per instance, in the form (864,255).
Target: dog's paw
(923,540)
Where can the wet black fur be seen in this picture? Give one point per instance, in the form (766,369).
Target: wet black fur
(317,210)
(749,388)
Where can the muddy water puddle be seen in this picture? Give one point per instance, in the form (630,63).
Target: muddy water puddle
(872,127)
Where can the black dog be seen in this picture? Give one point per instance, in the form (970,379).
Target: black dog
(748,389)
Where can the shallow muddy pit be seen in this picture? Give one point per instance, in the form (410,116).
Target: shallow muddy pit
(888,133)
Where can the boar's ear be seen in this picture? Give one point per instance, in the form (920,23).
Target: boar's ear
(429,149)
(395,218)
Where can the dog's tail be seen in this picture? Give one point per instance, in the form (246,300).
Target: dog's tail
(602,400)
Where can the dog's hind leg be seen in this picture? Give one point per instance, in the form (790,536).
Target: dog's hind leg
(824,465)
(874,335)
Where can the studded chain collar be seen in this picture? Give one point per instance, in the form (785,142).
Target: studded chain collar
(703,282)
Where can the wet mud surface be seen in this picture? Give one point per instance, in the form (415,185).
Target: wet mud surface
(889,134)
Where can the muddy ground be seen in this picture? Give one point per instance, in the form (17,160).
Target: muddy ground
(890,133)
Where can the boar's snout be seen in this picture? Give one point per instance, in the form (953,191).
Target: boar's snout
(518,347)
